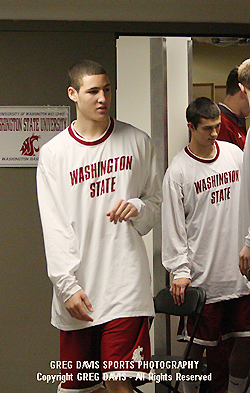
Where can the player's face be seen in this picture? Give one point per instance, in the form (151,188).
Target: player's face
(206,132)
(93,98)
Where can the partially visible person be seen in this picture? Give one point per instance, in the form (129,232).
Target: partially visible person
(200,214)
(234,110)
(244,222)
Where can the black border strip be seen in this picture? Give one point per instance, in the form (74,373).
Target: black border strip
(198,29)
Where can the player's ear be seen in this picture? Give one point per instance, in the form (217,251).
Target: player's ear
(72,94)
(242,88)
(191,127)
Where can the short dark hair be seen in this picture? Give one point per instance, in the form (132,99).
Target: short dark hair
(202,107)
(80,69)
(232,84)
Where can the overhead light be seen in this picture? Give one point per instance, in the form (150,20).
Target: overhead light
(224,41)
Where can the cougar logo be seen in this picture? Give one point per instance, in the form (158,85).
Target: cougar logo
(28,148)
(137,357)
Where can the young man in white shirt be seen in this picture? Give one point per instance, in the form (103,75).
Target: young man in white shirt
(200,216)
(99,192)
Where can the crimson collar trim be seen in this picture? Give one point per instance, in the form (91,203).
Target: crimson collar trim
(83,141)
(204,160)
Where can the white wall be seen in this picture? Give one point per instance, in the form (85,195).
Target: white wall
(177,93)
(133,81)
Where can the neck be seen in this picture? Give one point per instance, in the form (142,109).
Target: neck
(91,130)
(233,103)
(248,95)
(202,151)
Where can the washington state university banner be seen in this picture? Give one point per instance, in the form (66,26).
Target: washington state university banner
(24,129)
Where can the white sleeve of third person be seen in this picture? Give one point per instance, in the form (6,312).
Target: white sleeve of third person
(61,248)
(174,235)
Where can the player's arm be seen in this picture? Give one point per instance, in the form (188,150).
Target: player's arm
(174,238)
(61,246)
(143,210)
(244,260)
(149,203)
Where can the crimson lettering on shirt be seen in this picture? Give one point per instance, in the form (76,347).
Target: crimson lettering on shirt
(217,181)
(100,168)
(103,186)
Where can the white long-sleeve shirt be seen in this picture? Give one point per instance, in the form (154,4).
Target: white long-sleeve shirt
(200,221)
(79,182)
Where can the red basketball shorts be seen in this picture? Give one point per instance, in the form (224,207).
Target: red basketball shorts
(230,318)
(115,350)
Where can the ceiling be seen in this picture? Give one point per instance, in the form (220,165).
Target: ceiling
(213,11)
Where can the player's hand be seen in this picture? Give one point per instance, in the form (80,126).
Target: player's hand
(244,260)
(122,211)
(75,307)
(177,289)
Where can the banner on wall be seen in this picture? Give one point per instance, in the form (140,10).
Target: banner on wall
(24,129)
